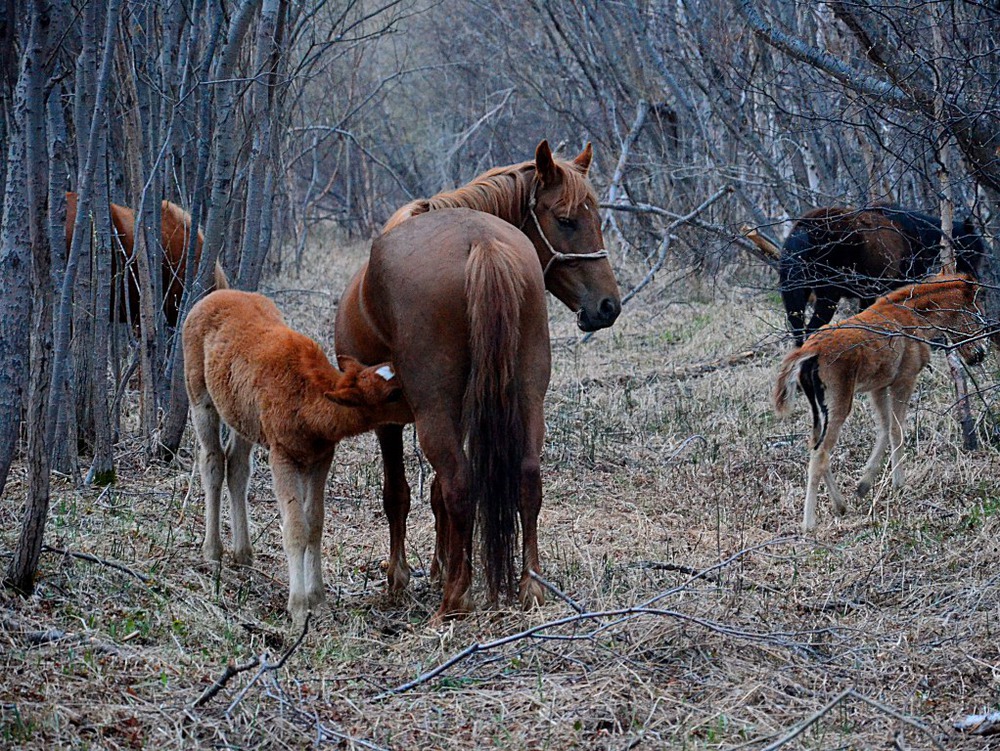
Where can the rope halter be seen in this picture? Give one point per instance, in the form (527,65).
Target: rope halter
(556,255)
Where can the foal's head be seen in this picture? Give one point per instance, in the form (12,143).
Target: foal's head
(957,300)
(565,226)
(365,387)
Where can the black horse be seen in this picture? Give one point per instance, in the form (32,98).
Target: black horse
(836,252)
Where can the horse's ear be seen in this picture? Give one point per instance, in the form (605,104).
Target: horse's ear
(347,364)
(584,158)
(545,165)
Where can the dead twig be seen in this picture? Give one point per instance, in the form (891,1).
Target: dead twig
(94,559)
(558,592)
(620,615)
(845,694)
(267,667)
(233,670)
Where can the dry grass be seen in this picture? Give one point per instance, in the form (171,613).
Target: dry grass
(655,467)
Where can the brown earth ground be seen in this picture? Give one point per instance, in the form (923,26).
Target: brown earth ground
(672,505)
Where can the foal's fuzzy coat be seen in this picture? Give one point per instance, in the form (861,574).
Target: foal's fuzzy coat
(880,350)
(273,386)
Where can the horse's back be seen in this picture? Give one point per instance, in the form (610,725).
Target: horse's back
(414,295)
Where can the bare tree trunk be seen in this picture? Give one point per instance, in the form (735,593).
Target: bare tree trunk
(266,60)
(96,131)
(176,414)
(134,171)
(15,289)
(20,574)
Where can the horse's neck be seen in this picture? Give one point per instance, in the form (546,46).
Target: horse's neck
(947,320)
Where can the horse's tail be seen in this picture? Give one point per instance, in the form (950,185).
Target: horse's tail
(492,420)
(221,282)
(802,366)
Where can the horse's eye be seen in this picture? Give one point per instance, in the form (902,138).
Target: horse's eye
(566,222)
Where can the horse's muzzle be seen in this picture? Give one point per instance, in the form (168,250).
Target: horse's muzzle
(605,315)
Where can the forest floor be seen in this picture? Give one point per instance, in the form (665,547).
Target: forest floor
(693,613)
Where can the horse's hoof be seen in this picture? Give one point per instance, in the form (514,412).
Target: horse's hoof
(398,578)
(864,488)
(212,553)
(532,593)
(243,557)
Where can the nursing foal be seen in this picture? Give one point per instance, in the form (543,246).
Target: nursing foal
(880,350)
(274,387)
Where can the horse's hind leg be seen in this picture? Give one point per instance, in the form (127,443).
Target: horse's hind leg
(439,566)
(212,463)
(440,440)
(839,403)
(395,502)
(883,415)
(532,591)
(238,469)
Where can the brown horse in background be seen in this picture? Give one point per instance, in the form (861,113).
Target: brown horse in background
(834,252)
(174,236)
(422,299)
(880,350)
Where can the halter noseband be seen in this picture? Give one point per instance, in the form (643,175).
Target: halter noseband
(556,255)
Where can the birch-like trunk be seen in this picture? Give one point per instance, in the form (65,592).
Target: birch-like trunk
(20,574)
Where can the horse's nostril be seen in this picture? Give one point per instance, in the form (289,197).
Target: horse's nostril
(609,308)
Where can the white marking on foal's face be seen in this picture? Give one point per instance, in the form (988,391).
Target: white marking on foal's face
(386,372)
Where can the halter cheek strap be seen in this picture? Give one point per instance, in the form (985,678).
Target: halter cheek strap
(556,255)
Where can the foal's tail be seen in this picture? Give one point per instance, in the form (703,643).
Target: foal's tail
(492,419)
(802,366)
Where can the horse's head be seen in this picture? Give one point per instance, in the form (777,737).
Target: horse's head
(565,227)
(365,387)
(963,299)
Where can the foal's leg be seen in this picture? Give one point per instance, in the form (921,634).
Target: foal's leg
(882,406)
(314,511)
(238,469)
(901,391)
(395,502)
(290,490)
(839,402)
(212,463)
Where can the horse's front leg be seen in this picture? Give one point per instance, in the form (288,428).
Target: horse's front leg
(395,502)
(314,511)
(289,489)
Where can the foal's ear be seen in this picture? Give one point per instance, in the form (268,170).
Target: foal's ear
(365,387)
(584,158)
(545,165)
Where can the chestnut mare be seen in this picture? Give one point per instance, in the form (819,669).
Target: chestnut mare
(454,298)
(175,233)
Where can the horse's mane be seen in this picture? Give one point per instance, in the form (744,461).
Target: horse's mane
(918,296)
(501,191)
